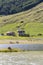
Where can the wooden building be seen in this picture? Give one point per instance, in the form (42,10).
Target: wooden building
(10,33)
(21,33)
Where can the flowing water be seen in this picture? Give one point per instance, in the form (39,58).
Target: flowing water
(23,46)
(22,58)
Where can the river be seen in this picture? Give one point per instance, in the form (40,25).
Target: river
(37,47)
(22,58)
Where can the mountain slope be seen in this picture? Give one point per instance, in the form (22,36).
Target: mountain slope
(14,6)
(31,21)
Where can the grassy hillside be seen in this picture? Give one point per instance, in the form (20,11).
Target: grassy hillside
(31,21)
(14,6)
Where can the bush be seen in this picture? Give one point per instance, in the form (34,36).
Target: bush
(27,35)
(39,34)
(24,35)
(2,34)
(22,21)
(10,49)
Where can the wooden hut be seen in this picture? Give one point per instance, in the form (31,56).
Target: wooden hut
(10,33)
(21,33)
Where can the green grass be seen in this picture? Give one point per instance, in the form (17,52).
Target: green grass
(34,28)
(30,28)
(13,50)
(32,23)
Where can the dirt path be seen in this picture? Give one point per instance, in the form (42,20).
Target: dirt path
(20,42)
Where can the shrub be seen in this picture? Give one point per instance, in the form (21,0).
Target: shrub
(22,21)
(39,34)
(2,34)
(10,49)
